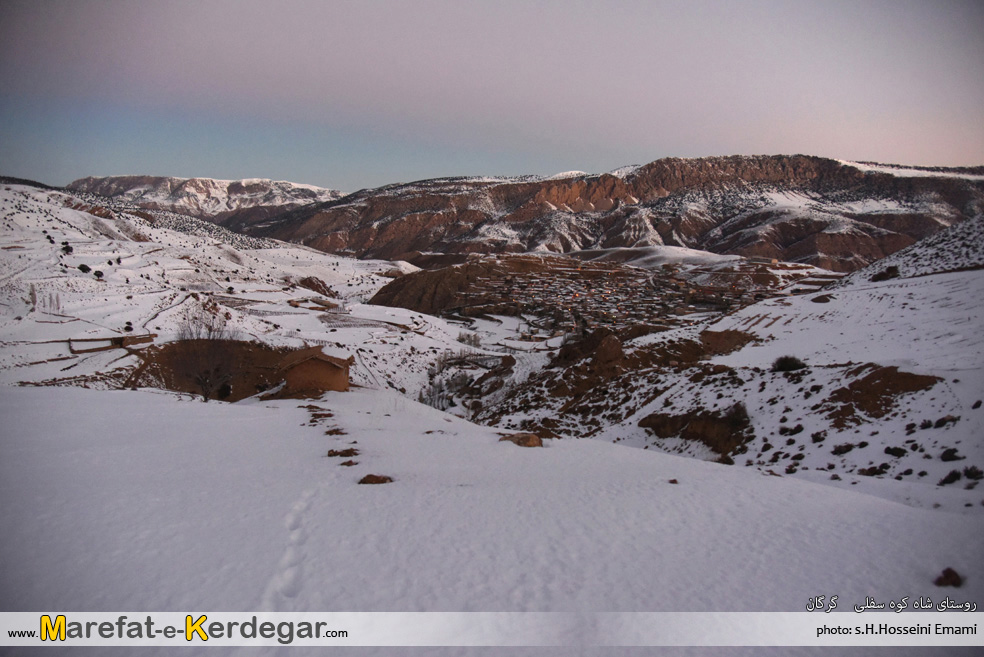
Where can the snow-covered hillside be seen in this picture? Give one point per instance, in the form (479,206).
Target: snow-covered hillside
(140,278)
(889,400)
(959,248)
(117,499)
(827,213)
(203,197)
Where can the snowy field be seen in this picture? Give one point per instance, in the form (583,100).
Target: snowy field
(145,500)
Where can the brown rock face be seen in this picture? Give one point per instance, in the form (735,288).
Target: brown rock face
(430,292)
(722,432)
(523,439)
(797,208)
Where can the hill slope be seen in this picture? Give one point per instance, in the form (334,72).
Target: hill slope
(889,400)
(117,499)
(826,213)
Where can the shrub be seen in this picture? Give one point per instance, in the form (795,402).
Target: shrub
(787,364)
(84,268)
(874,471)
(950,478)
(950,454)
(886,274)
(973,473)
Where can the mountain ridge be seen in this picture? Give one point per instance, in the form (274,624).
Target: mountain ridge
(828,213)
(230,203)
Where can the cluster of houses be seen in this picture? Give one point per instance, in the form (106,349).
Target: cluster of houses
(570,295)
(567,295)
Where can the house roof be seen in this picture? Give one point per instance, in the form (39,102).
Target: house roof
(295,358)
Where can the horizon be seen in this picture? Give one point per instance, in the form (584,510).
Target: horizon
(898,165)
(353,97)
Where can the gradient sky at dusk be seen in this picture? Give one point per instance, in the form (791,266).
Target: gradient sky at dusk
(359,94)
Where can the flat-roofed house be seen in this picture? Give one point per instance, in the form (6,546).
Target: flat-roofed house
(311,371)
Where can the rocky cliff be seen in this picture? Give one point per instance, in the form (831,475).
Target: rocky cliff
(829,213)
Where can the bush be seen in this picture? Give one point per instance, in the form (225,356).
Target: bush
(973,473)
(950,454)
(787,364)
(950,478)
(886,274)
(84,268)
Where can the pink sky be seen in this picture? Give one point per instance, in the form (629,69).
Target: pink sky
(356,94)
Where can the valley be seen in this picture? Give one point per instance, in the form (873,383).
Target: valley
(775,427)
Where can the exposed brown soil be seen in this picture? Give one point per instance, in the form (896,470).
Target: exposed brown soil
(872,393)
(723,431)
(710,343)
(594,381)
(173,366)
(375,479)
(343,453)
(523,439)
(315,284)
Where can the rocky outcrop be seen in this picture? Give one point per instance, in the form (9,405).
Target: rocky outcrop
(523,439)
(798,208)
(723,432)
(431,292)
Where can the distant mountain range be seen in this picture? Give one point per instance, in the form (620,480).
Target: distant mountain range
(829,213)
(235,204)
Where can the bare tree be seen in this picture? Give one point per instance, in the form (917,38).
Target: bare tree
(209,353)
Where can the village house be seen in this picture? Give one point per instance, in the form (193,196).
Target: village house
(311,371)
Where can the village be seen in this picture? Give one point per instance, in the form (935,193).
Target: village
(560,295)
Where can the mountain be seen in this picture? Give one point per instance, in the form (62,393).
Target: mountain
(828,213)
(856,476)
(873,378)
(234,204)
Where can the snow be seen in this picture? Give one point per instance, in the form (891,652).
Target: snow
(566,174)
(909,172)
(926,324)
(654,257)
(249,514)
(205,195)
(145,500)
(625,171)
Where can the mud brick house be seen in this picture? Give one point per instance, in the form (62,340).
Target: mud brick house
(310,370)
